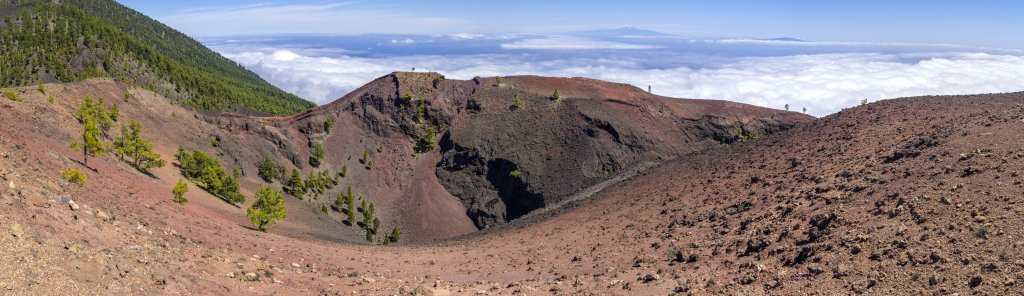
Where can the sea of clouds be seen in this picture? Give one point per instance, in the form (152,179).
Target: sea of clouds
(823,83)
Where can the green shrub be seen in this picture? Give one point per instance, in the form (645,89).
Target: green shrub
(517,104)
(179,192)
(73,176)
(329,124)
(421,110)
(981,232)
(556,96)
(12,96)
(427,141)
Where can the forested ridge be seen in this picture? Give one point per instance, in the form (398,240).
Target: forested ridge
(80,39)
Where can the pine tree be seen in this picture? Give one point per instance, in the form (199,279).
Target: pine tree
(310,184)
(114,112)
(91,145)
(136,150)
(350,201)
(102,118)
(317,156)
(267,170)
(395,235)
(339,202)
(368,216)
(179,192)
(267,209)
(295,184)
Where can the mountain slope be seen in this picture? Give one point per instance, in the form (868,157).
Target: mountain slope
(79,39)
(596,132)
(907,196)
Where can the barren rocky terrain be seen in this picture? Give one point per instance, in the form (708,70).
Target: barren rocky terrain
(638,195)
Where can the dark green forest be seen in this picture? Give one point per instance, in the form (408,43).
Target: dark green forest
(81,39)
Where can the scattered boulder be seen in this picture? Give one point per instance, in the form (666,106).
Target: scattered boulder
(102,215)
(974,282)
(650,277)
(17,230)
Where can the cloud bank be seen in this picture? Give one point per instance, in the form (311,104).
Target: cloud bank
(571,43)
(822,83)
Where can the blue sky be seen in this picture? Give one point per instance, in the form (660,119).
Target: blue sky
(976,23)
(853,50)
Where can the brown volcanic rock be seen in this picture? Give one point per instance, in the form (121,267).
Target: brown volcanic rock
(596,130)
(592,133)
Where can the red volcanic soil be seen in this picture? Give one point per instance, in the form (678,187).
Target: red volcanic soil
(906,196)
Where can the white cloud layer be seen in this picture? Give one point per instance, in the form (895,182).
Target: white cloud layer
(823,83)
(571,43)
(945,46)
